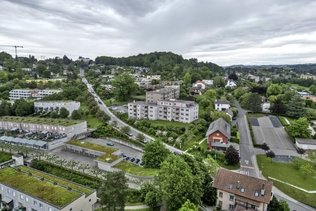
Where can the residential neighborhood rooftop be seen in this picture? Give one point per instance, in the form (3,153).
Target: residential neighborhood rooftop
(242,185)
(219,125)
(37,120)
(222,102)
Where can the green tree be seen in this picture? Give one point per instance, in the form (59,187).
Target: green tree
(63,113)
(231,156)
(209,193)
(274,89)
(274,205)
(126,129)
(188,206)
(299,128)
(22,107)
(218,81)
(76,115)
(307,169)
(220,114)
(176,182)
(113,191)
(284,206)
(295,107)
(187,79)
(251,101)
(151,195)
(154,154)
(278,107)
(140,137)
(312,89)
(123,86)
(5,108)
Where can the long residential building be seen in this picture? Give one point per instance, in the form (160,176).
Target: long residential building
(23,188)
(37,94)
(69,127)
(170,110)
(48,106)
(166,93)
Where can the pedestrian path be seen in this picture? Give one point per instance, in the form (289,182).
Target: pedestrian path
(306,191)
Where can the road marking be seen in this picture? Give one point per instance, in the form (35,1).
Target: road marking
(249,167)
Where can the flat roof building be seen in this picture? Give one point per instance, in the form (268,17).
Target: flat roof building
(37,94)
(49,106)
(24,188)
(170,110)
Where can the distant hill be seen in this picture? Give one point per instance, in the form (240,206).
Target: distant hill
(299,68)
(159,62)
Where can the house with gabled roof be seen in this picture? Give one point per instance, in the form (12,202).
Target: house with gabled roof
(241,192)
(218,134)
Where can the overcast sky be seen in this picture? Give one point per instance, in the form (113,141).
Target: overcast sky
(222,31)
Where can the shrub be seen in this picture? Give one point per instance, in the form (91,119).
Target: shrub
(270,154)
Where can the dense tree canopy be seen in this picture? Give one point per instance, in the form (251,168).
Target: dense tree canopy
(299,128)
(154,154)
(123,86)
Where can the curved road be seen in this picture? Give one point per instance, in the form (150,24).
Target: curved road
(134,132)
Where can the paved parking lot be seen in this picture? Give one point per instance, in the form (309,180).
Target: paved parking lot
(270,131)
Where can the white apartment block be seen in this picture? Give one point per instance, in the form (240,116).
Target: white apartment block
(48,106)
(166,93)
(170,110)
(16,94)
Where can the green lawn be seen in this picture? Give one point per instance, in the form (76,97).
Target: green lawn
(311,154)
(257,115)
(92,121)
(286,172)
(37,120)
(284,122)
(59,181)
(167,123)
(139,97)
(45,190)
(135,169)
(107,157)
(4,156)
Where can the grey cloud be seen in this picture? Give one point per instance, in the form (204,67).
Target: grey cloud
(222,31)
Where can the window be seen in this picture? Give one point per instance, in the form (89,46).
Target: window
(220,194)
(35,202)
(231,198)
(220,204)
(40,205)
(21,197)
(231,207)
(253,206)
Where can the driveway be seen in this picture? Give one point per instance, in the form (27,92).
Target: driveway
(268,129)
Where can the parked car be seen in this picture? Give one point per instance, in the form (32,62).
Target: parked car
(109,143)
(133,159)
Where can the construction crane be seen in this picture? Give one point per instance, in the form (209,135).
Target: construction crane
(15,48)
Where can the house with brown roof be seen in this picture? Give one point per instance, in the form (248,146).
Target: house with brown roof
(218,134)
(240,192)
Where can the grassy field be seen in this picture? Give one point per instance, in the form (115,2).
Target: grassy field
(167,123)
(37,120)
(257,115)
(135,169)
(59,181)
(284,122)
(286,172)
(4,156)
(107,157)
(93,122)
(47,191)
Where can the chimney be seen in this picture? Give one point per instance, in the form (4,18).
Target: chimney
(262,190)
(238,185)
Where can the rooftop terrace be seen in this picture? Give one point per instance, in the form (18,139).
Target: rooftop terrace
(48,188)
(37,120)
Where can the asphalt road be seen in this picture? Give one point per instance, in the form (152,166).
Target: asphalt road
(247,154)
(248,161)
(134,132)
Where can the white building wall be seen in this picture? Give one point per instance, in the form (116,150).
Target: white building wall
(52,105)
(221,107)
